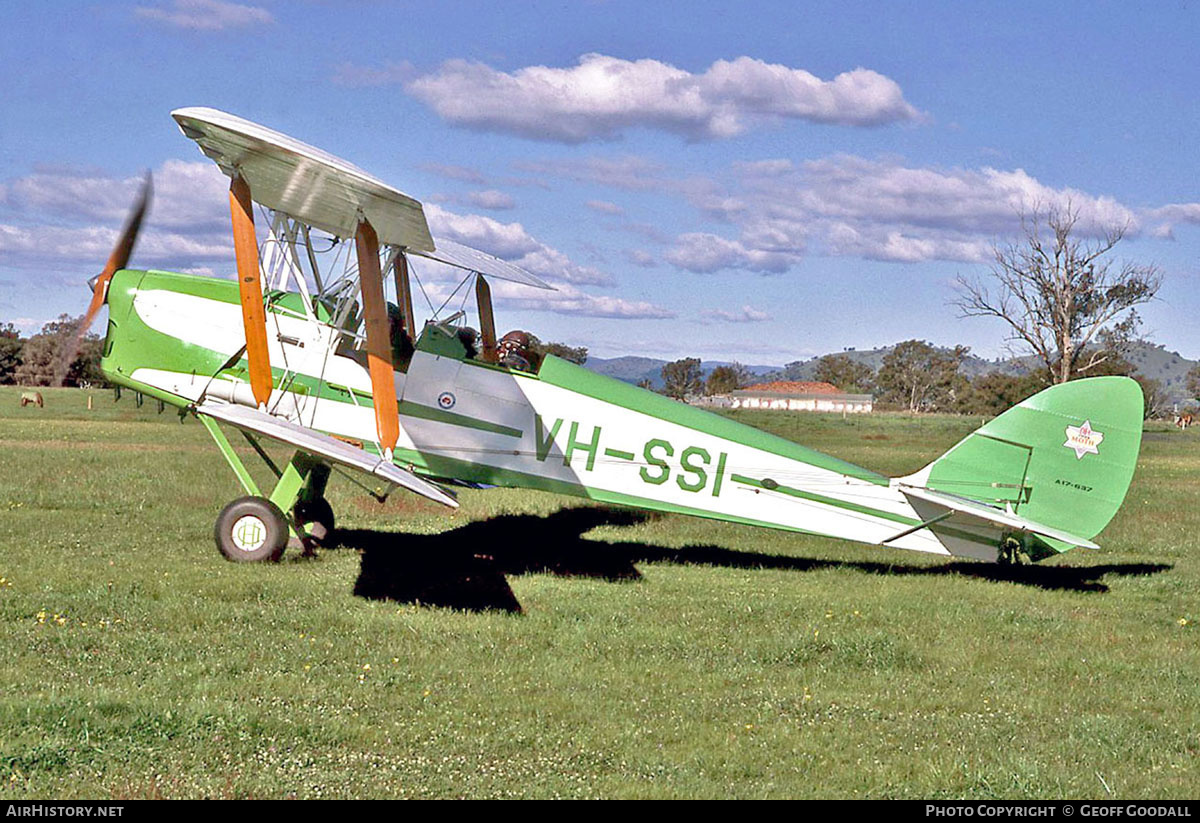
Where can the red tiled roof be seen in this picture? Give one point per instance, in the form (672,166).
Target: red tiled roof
(794,387)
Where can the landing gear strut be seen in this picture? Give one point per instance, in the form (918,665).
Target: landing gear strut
(254,529)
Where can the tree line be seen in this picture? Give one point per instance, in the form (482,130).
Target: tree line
(917,376)
(37,360)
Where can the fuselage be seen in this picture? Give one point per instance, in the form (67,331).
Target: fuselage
(564,429)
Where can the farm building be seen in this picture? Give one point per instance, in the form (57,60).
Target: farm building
(794,395)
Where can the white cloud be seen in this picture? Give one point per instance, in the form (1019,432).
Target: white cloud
(969,200)
(605,207)
(88,247)
(70,219)
(191,194)
(764,167)
(602,96)
(641,258)
(1181,212)
(647,231)
(572,301)
(64,218)
(846,205)
(1166,217)
(209,271)
(491,199)
(206,15)
(706,253)
(439,284)
(551,263)
(510,241)
(505,240)
(748,314)
(846,240)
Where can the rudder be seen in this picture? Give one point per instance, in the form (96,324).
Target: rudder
(1063,457)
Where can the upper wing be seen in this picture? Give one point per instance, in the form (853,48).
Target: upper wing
(327,192)
(996,517)
(311,185)
(322,445)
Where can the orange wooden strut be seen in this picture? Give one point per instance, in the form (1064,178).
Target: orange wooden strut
(254,319)
(404,293)
(379,344)
(487,323)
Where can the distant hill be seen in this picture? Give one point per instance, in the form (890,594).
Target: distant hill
(1151,360)
(633,369)
(1167,367)
(972,366)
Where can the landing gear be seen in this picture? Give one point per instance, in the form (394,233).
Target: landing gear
(254,529)
(1013,552)
(316,517)
(251,530)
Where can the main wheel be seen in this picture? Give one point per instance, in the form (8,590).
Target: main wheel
(251,530)
(319,514)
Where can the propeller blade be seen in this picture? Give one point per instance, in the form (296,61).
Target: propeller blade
(116,261)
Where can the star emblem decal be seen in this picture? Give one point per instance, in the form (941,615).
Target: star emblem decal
(1083,439)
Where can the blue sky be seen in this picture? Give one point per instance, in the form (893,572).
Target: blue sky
(756,181)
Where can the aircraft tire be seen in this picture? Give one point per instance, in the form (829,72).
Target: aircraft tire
(319,513)
(251,530)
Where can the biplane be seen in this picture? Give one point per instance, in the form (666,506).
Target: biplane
(317,357)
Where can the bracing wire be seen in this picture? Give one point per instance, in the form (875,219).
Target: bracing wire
(412,269)
(446,302)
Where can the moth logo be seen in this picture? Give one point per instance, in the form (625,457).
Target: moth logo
(446,401)
(1083,439)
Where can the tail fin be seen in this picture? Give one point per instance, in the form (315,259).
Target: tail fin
(1063,458)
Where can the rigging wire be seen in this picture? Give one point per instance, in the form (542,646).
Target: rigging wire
(451,297)
(412,269)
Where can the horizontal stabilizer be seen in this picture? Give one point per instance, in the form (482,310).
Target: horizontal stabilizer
(465,257)
(324,446)
(996,517)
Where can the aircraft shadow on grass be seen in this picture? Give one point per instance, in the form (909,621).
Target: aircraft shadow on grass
(467,568)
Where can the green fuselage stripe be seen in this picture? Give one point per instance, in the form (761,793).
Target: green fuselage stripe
(937,528)
(820,498)
(411,409)
(438,466)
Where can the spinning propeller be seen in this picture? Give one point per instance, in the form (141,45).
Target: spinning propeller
(116,261)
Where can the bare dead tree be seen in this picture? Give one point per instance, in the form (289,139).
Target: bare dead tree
(1061,293)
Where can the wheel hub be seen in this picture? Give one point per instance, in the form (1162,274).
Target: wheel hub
(249,533)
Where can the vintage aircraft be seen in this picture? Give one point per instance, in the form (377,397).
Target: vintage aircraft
(321,361)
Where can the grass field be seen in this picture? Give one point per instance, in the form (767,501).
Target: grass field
(663,657)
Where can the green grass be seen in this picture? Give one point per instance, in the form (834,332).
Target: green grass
(666,657)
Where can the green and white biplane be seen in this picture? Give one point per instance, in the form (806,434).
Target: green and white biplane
(317,358)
